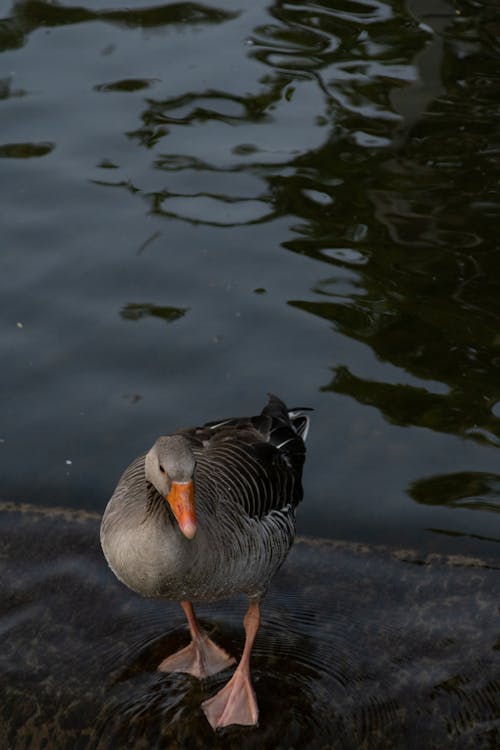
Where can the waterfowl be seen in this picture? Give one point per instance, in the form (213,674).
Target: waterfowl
(206,513)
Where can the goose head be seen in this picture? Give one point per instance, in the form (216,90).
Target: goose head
(169,466)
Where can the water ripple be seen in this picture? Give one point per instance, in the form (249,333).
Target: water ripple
(357,647)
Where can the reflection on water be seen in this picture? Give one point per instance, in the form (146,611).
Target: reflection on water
(359,647)
(406,404)
(28,15)
(464,489)
(344,159)
(477,491)
(24,150)
(136,311)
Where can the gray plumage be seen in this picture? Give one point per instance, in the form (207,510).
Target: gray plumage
(247,484)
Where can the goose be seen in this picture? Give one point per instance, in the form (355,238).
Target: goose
(209,512)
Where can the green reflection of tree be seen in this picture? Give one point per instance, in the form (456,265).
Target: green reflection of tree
(125,85)
(426,351)
(25,150)
(136,311)
(416,226)
(27,16)
(194,108)
(467,489)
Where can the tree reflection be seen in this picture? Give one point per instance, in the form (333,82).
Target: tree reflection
(136,311)
(27,16)
(465,489)
(394,195)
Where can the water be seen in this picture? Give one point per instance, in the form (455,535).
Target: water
(204,203)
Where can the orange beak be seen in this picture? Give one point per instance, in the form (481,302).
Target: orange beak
(181,500)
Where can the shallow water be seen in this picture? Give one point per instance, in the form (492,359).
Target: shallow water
(203,203)
(359,647)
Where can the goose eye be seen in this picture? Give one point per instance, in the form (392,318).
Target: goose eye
(162,469)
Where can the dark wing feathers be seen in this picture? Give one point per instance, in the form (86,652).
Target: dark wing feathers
(252,474)
(255,461)
(288,432)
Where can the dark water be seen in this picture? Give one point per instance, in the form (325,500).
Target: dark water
(201,203)
(360,648)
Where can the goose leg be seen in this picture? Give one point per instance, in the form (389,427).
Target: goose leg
(236,703)
(202,657)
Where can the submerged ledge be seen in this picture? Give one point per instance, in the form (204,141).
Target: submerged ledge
(360,647)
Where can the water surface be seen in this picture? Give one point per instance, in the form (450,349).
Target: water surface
(205,202)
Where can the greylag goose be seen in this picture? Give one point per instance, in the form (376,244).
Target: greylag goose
(206,513)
